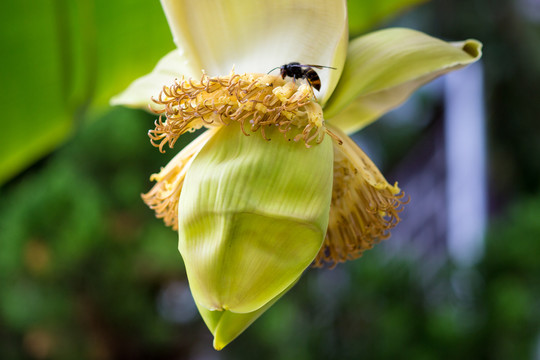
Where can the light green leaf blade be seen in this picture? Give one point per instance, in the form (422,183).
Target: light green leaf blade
(36,115)
(252,216)
(127,43)
(62,61)
(383,68)
(363,15)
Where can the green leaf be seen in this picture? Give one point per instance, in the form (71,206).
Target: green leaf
(62,61)
(34,87)
(129,41)
(363,15)
(383,68)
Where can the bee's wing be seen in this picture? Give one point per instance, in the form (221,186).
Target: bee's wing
(318,66)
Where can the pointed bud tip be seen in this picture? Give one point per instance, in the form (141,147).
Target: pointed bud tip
(219,345)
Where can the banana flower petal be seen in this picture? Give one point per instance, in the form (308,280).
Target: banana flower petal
(139,93)
(257,36)
(385,67)
(252,216)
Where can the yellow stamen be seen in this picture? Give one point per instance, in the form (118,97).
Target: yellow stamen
(164,195)
(257,101)
(364,206)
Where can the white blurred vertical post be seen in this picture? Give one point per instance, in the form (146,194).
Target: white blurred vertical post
(465,139)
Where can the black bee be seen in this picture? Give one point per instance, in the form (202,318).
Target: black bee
(302,71)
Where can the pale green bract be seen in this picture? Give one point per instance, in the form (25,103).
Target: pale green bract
(224,230)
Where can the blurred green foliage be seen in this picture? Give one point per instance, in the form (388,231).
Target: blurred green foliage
(62,61)
(364,15)
(81,257)
(510,32)
(510,298)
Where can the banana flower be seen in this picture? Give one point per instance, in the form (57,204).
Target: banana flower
(275,183)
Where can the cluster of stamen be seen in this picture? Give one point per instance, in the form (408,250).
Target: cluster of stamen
(256,101)
(164,196)
(364,207)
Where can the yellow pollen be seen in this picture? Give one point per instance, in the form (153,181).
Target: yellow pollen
(256,101)
(364,206)
(164,195)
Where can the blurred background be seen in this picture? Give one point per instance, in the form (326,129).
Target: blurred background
(87,272)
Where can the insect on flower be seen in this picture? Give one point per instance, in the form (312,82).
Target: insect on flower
(302,71)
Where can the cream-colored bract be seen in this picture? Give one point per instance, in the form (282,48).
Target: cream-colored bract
(257,36)
(254,211)
(140,92)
